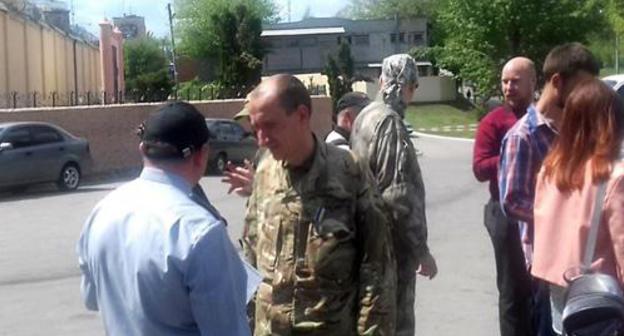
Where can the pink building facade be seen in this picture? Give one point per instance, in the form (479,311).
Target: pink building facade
(112,62)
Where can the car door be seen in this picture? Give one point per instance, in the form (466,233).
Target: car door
(49,152)
(245,143)
(16,164)
(233,150)
(217,139)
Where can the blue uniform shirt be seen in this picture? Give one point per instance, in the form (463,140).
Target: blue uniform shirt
(154,262)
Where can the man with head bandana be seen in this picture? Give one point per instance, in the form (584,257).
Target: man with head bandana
(379,138)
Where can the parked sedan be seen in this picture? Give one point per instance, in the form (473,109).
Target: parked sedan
(616,82)
(229,142)
(36,152)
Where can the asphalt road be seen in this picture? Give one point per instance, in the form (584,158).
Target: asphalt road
(39,279)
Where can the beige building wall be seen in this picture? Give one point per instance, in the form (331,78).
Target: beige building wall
(4,84)
(430,89)
(34,66)
(37,58)
(49,61)
(16,56)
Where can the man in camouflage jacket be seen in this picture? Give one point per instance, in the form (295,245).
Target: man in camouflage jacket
(314,228)
(381,142)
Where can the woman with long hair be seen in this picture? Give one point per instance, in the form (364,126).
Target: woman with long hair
(586,153)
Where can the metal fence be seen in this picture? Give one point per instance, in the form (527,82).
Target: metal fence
(35,99)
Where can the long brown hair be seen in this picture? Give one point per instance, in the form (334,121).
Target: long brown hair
(591,130)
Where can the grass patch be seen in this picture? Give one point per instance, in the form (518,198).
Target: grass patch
(438,115)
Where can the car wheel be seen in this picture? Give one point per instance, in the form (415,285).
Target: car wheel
(70,177)
(221,162)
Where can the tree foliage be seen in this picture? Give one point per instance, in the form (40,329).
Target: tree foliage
(388,9)
(615,14)
(197,29)
(479,36)
(240,51)
(146,70)
(227,32)
(340,72)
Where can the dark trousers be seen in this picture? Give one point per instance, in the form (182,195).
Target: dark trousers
(406,298)
(512,278)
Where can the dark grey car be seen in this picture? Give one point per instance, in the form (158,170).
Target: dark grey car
(35,152)
(229,142)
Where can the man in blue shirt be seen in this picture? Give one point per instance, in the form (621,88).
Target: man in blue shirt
(153,260)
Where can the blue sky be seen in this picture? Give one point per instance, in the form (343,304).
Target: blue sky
(89,13)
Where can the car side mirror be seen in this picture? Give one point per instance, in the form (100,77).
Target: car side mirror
(5,146)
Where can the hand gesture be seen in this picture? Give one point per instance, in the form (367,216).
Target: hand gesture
(428,267)
(240,178)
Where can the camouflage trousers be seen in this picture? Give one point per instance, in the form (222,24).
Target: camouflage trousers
(406,297)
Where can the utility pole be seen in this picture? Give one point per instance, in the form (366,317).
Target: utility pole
(173,52)
(617,53)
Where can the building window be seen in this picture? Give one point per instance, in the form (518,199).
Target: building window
(362,40)
(393,38)
(402,37)
(308,42)
(292,43)
(345,39)
(417,39)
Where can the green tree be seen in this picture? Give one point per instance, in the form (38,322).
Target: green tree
(227,32)
(388,9)
(146,70)
(604,43)
(479,36)
(340,73)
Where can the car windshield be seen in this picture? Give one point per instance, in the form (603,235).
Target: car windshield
(609,82)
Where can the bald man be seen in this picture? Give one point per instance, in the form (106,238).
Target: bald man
(512,278)
(315,227)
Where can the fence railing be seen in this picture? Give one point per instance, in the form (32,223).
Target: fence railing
(35,99)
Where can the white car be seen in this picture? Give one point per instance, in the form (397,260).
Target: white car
(616,82)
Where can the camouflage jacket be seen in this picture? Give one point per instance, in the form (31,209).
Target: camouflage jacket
(323,247)
(381,142)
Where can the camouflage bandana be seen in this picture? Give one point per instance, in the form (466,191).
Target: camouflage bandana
(397,72)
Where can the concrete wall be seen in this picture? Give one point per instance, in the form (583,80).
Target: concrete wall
(37,58)
(111,129)
(430,89)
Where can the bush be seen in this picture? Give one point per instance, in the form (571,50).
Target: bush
(197,90)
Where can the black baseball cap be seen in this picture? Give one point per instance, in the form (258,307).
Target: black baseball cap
(174,131)
(352,99)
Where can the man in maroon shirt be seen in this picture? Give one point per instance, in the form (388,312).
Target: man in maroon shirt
(512,278)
